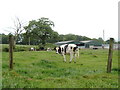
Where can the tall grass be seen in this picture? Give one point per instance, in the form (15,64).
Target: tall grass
(43,69)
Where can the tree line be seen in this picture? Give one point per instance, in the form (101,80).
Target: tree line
(40,32)
(31,40)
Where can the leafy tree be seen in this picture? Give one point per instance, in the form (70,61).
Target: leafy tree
(108,41)
(54,38)
(118,42)
(61,37)
(68,37)
(40,29)
(100,40)
(4,38)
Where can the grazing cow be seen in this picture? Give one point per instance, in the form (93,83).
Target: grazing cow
(72,49)
(32,49)
(49,49)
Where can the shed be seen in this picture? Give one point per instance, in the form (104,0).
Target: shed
(67,42)
(82,44)
(90,44)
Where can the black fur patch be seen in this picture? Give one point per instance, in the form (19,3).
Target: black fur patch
(59,50)
(74,48)
(65,48)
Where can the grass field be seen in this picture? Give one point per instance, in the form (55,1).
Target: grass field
(41,69)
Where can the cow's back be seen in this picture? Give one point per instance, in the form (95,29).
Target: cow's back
(71,48)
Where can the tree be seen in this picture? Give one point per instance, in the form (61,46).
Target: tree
(4,38)
(108,41)
(118,42)
(18,29)
(40,29)
(100,40)
(54,38)
(69,37)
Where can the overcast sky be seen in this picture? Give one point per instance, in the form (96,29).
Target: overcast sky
(81,17)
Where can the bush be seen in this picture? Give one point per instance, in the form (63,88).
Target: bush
(41,47)
(50,45)
(5,49)
(47,45)
(18,48)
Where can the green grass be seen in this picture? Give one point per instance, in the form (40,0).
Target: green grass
(47,70)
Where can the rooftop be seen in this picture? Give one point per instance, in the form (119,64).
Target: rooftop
(86,41)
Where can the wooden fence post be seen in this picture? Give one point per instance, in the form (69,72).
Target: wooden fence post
(109,64)
(11,52)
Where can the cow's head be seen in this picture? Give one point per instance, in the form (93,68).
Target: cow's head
(58,50)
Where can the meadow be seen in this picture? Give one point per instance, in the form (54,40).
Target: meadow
(42,69)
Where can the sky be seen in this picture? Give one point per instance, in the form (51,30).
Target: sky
(81,17)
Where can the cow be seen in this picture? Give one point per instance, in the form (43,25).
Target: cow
(71,49)
(49,49)
(32,49)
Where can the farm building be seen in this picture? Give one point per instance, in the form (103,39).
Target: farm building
(83,44)
(115,46)
(90,44)
(67,42)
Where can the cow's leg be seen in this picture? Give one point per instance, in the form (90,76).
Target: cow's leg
(75,55)
(71,56)
(78,53)
(64,57)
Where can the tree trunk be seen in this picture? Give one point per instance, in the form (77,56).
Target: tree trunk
(11,52)
(14,42)
(29,40)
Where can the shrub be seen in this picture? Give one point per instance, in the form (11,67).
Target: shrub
(5,49)
(18,48)
(47,45)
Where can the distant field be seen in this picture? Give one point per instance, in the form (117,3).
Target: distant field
(5,47)
(41,69)
(18,47)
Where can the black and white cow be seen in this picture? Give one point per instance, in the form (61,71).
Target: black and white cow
(71,49)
